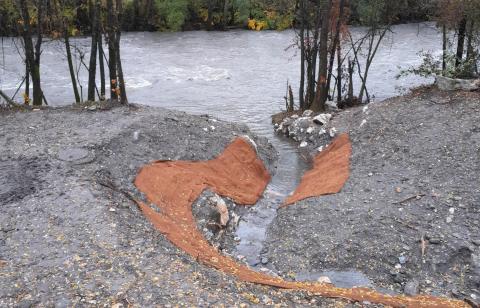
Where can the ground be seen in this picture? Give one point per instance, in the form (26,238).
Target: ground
(70,235)
(410,212)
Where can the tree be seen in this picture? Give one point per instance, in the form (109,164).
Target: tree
(32,53)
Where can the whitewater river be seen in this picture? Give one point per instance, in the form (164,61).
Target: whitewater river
(238,76)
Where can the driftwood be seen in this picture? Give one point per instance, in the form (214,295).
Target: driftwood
(7,99)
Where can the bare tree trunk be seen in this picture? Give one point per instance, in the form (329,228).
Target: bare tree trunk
(336,41)
(112,55)
(70,66)
(121,80)
(350,81)
(339,74)
(301,90)
(321,93)
(6,98)
(444,46)
(461,41)
(27,83)
(101,54)
(92,67)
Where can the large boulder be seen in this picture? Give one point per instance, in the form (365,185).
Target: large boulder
(452,84)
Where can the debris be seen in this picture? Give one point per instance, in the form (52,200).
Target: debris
(322,119)
(324,279)
(222,209)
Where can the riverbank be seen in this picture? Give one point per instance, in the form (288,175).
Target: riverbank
(407,220)
(70,235)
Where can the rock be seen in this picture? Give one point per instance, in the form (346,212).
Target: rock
(411,288)
(363,123)
(332,132)
(136,135)
(449,219)
(264,260)
(310,130)
(295,116)
(402,259)
(434,240)
(304,144)
(222,209)
(324,279)
(451,84)
(322,119)
(307,113)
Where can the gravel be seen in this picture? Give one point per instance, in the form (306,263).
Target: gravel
(70,235)
(415,158)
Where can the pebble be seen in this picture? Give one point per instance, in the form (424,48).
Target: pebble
(411,288)
(402,259)
(324,279)
(449,219)
(264,260)
(434,240)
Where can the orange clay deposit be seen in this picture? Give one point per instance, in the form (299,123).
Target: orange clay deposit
(238,174)
(330,171)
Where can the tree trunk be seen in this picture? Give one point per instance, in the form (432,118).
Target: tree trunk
(350,81)
(321,93)
(92,67)
(461,41)
(112,55)
(339,74)
(27,83)
(101,54)
(444,46)
(70,65)
(301,95)
(336,41)
(121,80)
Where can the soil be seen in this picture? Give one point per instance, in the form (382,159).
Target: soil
(409,215)
(70,234)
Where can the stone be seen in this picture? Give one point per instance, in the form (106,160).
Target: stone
(304,144)
(310,130)
(411,288)
(322,119)
(402,259)
(332,132)
(307,113)
(264,260)
(452,84)
(324,279)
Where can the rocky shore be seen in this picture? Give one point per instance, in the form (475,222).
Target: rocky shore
(71,236)
(408,219)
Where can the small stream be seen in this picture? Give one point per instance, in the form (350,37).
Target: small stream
(239,76)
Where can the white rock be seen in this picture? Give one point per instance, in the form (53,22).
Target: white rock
(365,109)
(310,130)
(452,210)
(322,119)
(363,123)
(136,136)
(205,129)
(222,209)
(212,128)
(295,116)
(322,132)
(449,219)
(303,144)
(320,149)
(307,113)
(324,279)
(332,132)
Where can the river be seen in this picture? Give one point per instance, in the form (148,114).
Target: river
(238,76)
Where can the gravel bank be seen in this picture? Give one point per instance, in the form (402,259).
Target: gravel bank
(70,236)
(409,215)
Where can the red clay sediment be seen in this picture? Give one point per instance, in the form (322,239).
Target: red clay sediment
(238,174)
(331,169)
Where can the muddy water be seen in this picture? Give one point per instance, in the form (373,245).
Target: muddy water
(238,76)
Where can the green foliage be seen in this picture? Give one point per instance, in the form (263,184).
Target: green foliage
(173,13)
(432,66)
(8,17)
